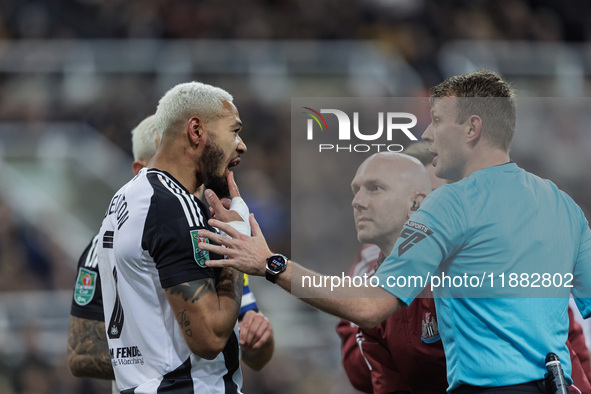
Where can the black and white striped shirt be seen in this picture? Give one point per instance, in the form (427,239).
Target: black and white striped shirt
(148,243)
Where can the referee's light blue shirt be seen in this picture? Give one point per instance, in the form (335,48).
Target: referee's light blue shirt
(480,232)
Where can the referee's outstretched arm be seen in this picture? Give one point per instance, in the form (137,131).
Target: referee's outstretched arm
(365,306)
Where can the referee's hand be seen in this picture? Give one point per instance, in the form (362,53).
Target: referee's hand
(244,253)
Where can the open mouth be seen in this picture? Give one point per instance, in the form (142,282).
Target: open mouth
(435,156)
(234,162)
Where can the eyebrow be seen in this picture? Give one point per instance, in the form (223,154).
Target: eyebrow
(369,181)
(237,124)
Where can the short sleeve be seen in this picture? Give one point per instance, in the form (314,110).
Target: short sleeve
(430,236)
(582,273)
(171,236)
(87,300)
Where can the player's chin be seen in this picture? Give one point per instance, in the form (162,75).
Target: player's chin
(440,172)
(363,225)
(364,236)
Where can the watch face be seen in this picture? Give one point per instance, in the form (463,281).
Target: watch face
(276,263)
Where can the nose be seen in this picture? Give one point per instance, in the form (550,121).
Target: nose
(359,202)
(241,146)
(427,136)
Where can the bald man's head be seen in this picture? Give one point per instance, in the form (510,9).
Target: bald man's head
(408,171)
(387,188)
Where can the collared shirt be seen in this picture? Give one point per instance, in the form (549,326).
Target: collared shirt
(499,222)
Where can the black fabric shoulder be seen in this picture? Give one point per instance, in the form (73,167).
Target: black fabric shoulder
(171,224)
(87,299)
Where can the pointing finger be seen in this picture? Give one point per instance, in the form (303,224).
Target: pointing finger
(234,192)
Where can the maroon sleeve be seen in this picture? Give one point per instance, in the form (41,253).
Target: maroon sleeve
(579,355)
(385,377)
(354,363)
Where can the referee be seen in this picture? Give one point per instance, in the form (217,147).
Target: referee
(496,219)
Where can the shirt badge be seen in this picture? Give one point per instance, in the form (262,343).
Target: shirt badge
(85,286)
(429,329)
(201,256)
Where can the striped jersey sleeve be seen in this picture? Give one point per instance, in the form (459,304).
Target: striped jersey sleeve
(173,244)
(87,300)
(249,302)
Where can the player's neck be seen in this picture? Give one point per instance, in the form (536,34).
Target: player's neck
(181,167)
(387,249)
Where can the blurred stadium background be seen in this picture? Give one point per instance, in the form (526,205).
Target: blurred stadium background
(77,76)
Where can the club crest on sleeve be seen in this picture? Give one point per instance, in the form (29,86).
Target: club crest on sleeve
(85,286)
(201,256)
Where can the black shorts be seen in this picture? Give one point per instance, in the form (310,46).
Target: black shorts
(530,387)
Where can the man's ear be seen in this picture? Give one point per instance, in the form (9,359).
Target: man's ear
(475,124)
(415,202)
(195,129)
(137,166)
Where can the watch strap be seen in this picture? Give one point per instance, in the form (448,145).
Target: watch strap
(270,277)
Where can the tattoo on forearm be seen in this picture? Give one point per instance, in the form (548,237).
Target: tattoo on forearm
(230,284)
(88,352)
(184,322)
(193,290)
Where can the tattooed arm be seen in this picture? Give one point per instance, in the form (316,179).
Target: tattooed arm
(88,352)
(207,313)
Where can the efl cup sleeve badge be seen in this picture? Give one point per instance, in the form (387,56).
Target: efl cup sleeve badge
(429,329)
(85,286)
(201,256)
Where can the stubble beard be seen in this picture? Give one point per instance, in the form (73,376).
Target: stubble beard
(211,160)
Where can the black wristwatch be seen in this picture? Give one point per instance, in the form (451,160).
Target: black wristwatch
(276,264)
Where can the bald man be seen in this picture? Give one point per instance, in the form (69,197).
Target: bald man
(387,188)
